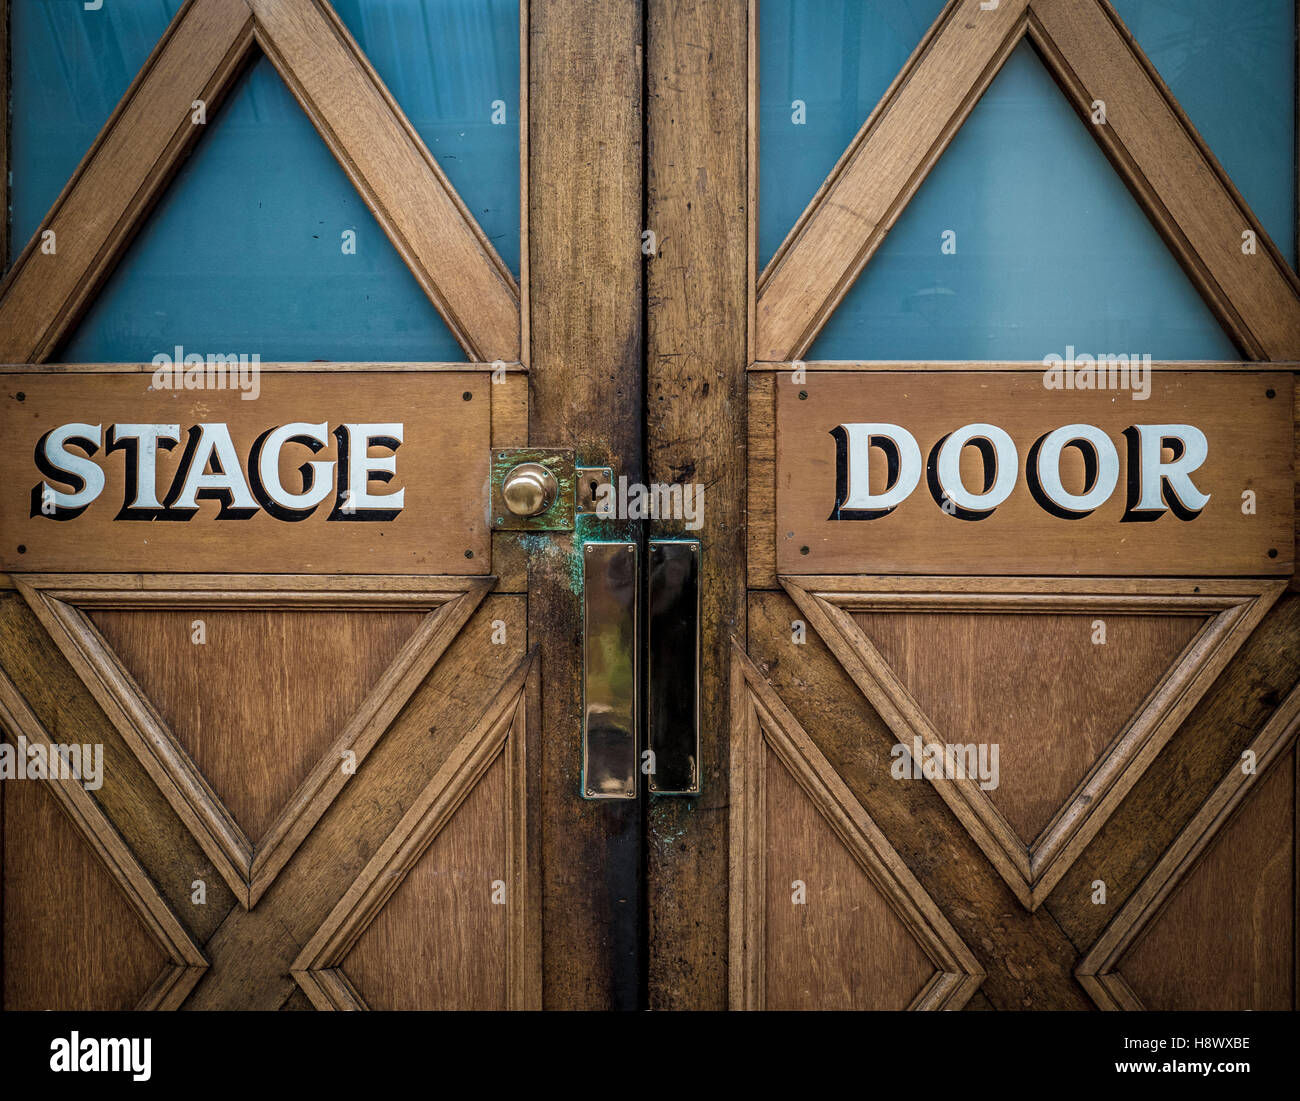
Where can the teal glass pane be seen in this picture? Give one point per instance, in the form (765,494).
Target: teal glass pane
(1232,68)
(244,253)
(1051,250)
(70,69)
(453,67)
(836,58)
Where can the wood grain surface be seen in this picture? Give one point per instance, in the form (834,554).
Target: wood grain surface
(441,465)
(1250,445)
(264,697)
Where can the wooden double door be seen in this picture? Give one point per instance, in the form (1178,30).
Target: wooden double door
(339,773)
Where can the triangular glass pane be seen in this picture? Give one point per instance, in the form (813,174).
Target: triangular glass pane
(70,68)
(823,66)
(1232,68)
(258,697)
(1051,251)
(453,67)
(250,251)
(981,679)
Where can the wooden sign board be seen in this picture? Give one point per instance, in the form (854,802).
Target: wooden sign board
(961,472)
(320,472)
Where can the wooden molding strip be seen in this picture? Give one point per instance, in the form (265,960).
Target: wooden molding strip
(383,156)
(1147,137)
(760,721)
(1032,870)
(313,367)
(1097,970)
(501,729)
(58,601)
(1174,176)
(186,961)
(125,170)
(880,172)
(321,786)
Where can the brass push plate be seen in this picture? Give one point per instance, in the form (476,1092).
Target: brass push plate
(610,670)
(673,667)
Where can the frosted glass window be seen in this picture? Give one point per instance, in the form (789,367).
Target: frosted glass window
(245,253)
(70,67)
(245,250)
(453,67)
(823,66)
(1232,68)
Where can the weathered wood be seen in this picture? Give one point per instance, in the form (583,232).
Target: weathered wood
(696,205)
(152,830)
(1028,960)
(1209,742)
(760,520)
(584,90)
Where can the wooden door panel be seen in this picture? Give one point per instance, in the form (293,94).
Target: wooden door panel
(419,756)
(326,801)
(258,697)
(1026,957)
(1122,830)
(1237,904)
(72,940)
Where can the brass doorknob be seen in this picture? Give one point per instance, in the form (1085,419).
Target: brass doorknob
(529,489)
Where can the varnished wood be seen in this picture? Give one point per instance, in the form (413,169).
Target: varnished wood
(840,946)
(1033,870)
(153,832)
(1274,764)
(253,951)
(123,173)
(1250,441)
(1029,963)
(185,961)
(72,941)
(248,873)
(772,728)
(497,737)
(441,465)
(585,378)
(1241,704)
(697,178)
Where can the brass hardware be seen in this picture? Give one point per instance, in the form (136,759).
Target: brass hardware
(555,462)
(610,670)
(589,483)
(529,489)
(673,667)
